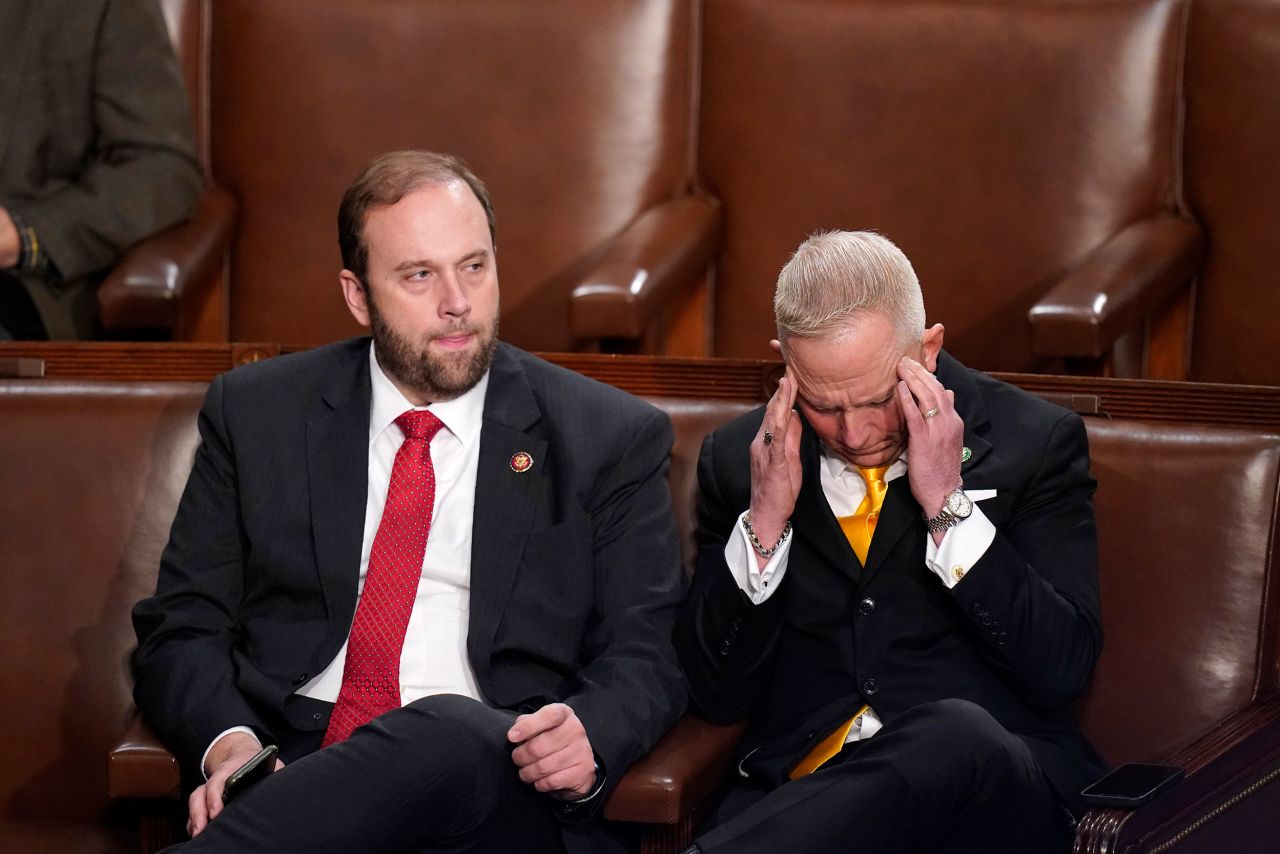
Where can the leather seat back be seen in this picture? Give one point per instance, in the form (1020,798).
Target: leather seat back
(90,476)
(997,143)
(576,113)
(1187,525)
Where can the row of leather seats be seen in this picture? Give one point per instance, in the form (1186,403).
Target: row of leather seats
(91,473)
(1105,168)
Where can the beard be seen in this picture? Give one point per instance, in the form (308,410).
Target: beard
(436,377)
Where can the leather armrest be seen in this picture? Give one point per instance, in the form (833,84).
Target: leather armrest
(662,251)
(679,774)
(1128,277)
(1226,766)
(139,766)
(145,287)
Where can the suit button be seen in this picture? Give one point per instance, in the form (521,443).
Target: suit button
(867,606)
(301,678)
(985,619)
(978,610)
(870,686)
(724,648)
(315,716)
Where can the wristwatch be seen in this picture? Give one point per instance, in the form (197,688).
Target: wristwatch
(956,507)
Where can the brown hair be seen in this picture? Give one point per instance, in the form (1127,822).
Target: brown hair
(388,179)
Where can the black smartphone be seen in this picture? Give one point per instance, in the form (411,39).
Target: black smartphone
(1132,785)
(262,764)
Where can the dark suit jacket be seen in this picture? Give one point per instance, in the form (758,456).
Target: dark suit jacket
(96,146)
(575,577)
(1019,635)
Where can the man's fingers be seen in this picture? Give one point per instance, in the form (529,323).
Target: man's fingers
(543,745)
(197,814)
(548,717)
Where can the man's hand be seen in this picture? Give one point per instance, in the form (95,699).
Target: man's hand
(227,754)
(10,241)
(775,466)
(935,435)
(554,754)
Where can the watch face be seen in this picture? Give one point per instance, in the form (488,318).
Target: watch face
(959,505)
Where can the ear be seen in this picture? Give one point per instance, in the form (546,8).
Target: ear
(777,346)
(353,293)
(932,345)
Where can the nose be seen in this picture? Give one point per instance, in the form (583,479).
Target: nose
(857,428)
(454,302)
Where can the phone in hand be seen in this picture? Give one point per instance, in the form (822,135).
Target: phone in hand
(1132,785)
(262,764)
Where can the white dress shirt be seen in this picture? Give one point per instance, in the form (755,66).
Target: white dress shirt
(843,487)
(434,658)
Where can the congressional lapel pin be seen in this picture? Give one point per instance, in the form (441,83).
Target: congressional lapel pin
(965,454)
(521,462)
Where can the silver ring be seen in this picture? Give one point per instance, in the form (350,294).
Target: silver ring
(768,437)
(932,412)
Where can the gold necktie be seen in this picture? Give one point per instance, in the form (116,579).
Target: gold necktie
(858,530)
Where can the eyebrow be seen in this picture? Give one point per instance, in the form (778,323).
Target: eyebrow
(875,401)
(477,255)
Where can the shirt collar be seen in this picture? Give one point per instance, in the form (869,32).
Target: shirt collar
(461,416)
(836,466)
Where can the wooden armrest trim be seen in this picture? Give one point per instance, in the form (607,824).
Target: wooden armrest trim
(139,766)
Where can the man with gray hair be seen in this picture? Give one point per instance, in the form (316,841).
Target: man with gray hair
(897,582)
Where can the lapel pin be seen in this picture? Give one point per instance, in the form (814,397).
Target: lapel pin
(521,462)
(965,454)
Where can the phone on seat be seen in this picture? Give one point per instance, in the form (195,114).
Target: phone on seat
(1132,785)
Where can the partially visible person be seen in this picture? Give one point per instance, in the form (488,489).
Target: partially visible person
(97,153)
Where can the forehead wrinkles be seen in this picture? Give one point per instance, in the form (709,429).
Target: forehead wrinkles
(844,386)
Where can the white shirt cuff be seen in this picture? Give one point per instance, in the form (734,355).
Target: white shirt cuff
(221,735)
(740,555)
(962,546)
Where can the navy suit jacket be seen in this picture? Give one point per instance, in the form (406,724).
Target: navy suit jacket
(1019,635)
(575,577)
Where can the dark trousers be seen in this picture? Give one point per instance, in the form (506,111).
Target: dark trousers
(942,777)
(433,776)
(18,316)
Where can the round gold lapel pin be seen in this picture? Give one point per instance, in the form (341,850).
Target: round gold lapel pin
(521,462)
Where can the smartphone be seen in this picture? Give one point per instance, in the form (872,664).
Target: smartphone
(262,764)
(1132,785)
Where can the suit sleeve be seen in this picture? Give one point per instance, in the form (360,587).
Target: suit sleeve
(140,175)
(725,642)
(629,691)
(1032,601)
(185,676)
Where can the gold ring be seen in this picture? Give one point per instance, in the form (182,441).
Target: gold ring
(932,412)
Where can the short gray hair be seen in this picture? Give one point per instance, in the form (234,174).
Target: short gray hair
(835,276)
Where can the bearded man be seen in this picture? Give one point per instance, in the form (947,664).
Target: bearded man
(437,572)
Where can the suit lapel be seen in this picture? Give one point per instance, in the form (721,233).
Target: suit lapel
(16,35)
(505,499)
(338,473)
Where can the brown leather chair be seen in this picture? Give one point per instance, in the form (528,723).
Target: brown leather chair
(172,284)
(576,113)
(90,475)
(1025,156)
(1232,176)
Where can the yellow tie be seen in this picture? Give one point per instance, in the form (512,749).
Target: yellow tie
(858,530)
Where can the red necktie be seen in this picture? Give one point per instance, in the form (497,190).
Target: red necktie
(371,675)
